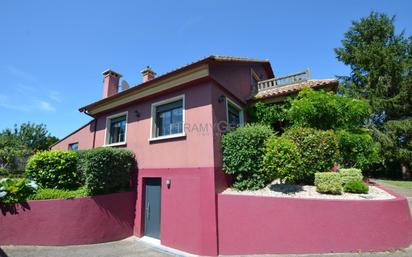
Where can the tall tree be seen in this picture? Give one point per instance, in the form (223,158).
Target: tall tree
(381,64)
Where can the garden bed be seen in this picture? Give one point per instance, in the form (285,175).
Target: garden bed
(276,189)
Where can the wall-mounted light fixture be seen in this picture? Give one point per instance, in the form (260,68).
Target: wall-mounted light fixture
(137,113)
(221,99)
(168,183)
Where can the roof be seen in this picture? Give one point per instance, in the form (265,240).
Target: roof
(293,88)
(193,65)
(74,132)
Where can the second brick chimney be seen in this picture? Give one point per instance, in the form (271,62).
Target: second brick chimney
(148,74)
(110,83)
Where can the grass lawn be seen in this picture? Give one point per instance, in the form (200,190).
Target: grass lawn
(48,193)
(398,183)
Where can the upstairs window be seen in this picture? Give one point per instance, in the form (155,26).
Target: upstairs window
(234,114)
(116,129)
(74,146)
(168,118)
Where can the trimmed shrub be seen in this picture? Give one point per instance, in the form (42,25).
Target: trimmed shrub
(54,169)
(16,190)
(282,160)
(243,150)
(328,183)
(106,170)
(350,174)
(317,148)
(51,193)
(356,187)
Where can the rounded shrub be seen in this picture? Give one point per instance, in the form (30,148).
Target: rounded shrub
(282,160)
(243,150)
(357,149)
(356,187)
(106,169)
(54,169)
(317,148)
(328,183)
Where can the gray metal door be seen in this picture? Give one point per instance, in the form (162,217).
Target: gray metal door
(152,207)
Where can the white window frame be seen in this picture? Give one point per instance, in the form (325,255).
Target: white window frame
(241,117)
(107,132)
(153,136)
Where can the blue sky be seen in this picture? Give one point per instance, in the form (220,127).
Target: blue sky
(52,54)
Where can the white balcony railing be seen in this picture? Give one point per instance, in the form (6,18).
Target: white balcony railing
(283,81)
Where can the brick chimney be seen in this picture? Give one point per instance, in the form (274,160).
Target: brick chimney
(110,83)
(148,74)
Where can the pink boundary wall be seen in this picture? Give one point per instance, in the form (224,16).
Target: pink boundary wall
(270,225)
(85,220)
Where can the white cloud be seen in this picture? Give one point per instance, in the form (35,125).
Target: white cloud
(46,106)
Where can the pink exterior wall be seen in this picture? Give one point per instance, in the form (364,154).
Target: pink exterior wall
(188,209)
(85,220)
(194,150)
(269,225)
(84,136)
(236,77)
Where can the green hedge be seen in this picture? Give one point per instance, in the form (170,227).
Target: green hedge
(106,170)
(317,148)
(350,174)
(356,187)
(243,150)
(54,169)
(328,183)
(282,160)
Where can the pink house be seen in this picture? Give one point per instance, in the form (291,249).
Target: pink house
(173,123)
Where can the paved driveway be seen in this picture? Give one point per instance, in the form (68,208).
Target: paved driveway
(132,247)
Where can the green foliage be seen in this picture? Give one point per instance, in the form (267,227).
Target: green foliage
(350,174)
(357,149)
(282,160)
(243,150)
(15,190)
(395,139)
(106,170)
(18,144)
(269,114)
(356,187)
(381,64)
(51,193)
(328,183)
(325,110)
(54,169)
(318,150)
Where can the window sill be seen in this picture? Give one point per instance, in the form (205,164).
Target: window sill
(167,137)
(115,144)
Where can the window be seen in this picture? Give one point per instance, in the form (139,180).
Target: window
(116,126)
(74,146)
(168,118)
(234,114)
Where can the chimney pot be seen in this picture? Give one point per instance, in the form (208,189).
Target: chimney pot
(110,83)
(148,74)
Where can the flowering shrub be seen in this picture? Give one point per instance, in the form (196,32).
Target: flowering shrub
(15,190)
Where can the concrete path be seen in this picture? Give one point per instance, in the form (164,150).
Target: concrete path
(133,247)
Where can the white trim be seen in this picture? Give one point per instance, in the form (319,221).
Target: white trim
(152,136)
(106,135)
(241,117)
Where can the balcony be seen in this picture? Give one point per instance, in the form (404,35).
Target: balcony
(283,81)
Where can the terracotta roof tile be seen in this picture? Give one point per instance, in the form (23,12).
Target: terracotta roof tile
(292,88)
